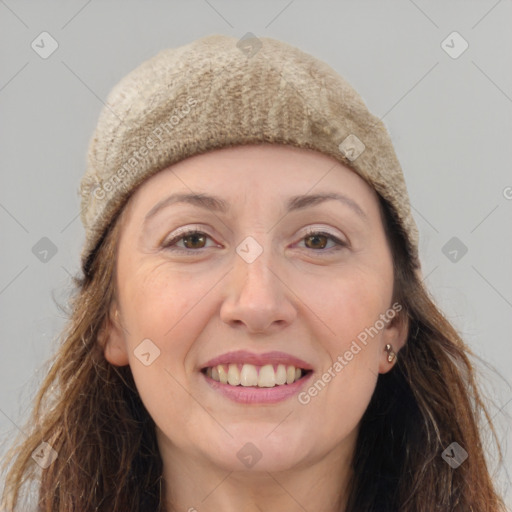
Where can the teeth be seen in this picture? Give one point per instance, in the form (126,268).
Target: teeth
(290,374)
(233,375)
(267,377)
(281,374)
(250,375)
(223,376)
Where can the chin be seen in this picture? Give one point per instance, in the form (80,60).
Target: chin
(257,449)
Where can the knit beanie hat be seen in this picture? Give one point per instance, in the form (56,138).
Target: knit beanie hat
(219,91)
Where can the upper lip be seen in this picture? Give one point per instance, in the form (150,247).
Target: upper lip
(243,356)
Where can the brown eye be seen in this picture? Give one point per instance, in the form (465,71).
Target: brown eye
(318,241)
(194,241)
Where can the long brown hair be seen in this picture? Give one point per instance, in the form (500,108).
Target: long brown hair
(90,412)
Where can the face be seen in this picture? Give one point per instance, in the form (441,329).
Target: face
(262,285)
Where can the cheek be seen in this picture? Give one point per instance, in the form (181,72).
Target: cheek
(163,304)
(160,306)
(350,307)
(166,308)
(348,303)
(344,386)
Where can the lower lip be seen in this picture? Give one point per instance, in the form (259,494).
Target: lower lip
(255,395)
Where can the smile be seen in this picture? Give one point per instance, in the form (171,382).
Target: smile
(250,378)
(247,375)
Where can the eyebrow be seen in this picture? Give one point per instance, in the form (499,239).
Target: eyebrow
(217,204)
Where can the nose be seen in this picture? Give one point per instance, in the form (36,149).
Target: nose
(258,296)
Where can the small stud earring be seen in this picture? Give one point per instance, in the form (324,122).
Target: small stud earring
(391,353)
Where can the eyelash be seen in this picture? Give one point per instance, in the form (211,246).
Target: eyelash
(168,244)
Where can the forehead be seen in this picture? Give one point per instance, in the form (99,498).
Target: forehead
(254,173)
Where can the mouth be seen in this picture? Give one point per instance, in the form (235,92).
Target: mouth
(249,384)
(250,378)
(255,376)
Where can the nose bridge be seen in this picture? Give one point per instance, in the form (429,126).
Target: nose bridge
(257,297)
(254,264)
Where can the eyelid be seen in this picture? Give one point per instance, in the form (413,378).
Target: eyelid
(185,229)
(319,228)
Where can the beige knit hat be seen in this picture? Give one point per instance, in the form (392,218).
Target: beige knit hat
(219,91)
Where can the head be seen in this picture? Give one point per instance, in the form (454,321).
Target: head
(308,296)
(309,279)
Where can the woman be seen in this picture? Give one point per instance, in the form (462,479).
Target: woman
(251,330)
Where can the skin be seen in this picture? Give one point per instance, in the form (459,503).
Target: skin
(196,306)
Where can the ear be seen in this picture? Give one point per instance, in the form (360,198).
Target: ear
(111,338)
(395,334)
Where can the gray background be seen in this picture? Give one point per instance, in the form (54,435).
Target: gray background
(450,120)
